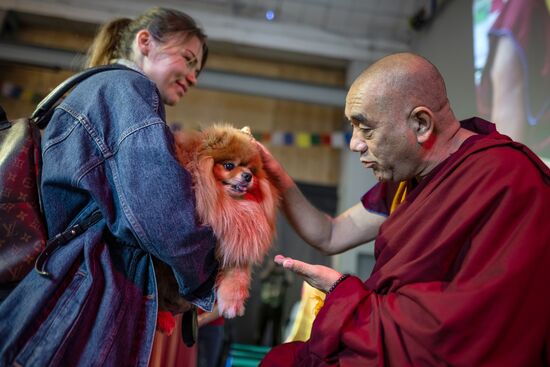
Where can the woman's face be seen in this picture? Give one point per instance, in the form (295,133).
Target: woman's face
(173,65)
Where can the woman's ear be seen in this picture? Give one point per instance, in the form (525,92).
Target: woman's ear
(422,123)
(144,42)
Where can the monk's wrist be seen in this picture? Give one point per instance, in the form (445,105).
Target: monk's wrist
(337,282)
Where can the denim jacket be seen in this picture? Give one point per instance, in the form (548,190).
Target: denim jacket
(108,147)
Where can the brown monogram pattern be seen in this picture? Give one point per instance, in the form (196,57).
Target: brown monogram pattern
(22,232)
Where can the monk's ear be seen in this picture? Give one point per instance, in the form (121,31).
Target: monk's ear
(422,123)
(144,42)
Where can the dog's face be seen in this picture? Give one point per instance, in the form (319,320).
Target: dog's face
(234,197)
(237,161)
(235,175)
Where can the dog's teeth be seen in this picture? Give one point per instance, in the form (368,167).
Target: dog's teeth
(239,188)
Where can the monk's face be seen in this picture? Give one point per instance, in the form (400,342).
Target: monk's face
(382,136)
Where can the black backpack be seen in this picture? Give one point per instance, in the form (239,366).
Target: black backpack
(23,235)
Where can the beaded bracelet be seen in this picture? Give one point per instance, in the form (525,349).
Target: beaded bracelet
(335,284)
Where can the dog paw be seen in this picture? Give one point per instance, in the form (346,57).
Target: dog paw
(232,294)
(231,300)
(230,310)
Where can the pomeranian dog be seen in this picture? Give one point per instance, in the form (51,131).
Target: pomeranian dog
(234,197)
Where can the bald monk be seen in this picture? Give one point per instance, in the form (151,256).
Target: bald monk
(462,269)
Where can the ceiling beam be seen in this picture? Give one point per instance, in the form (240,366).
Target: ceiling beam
(209,79)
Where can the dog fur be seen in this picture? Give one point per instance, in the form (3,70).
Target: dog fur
(234,197)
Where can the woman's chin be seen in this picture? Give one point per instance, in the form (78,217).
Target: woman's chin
(171,100)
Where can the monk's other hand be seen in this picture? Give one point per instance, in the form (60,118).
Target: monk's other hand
(318,276)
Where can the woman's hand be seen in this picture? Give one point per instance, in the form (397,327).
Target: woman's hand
(318,276)
(208,317)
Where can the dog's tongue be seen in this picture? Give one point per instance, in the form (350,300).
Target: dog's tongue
(240,188)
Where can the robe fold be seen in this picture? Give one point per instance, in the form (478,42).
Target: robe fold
(462,274)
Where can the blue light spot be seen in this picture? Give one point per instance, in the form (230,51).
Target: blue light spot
(270,15)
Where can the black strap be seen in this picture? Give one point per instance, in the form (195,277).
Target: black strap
(189,327)
(62,238)
(4,122)
(3,116)
(41,111)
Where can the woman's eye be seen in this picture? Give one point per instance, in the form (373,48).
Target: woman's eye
(190,61)
(228,166)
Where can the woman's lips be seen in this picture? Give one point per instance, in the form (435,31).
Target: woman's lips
(183,87)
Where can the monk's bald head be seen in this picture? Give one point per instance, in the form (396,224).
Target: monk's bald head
(400,82)
(402,124)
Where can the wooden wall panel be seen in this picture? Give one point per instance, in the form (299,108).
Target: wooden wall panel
(35,83)
(203,107)
(285,70)
(316,164)
(55,38)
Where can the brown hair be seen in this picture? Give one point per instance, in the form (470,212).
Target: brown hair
(114,39)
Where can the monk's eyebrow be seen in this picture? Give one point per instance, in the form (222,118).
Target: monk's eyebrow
(360,118)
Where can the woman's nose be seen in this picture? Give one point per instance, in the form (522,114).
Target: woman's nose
(191,78)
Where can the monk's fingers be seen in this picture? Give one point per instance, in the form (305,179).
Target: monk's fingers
(264,153)
(299,267)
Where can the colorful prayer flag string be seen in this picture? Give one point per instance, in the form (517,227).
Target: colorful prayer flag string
(335,139)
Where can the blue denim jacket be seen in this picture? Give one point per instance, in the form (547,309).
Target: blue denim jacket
(108,147)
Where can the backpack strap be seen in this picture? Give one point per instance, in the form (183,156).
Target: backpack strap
(62,238)
(4,122)
(3,116)
(40,116)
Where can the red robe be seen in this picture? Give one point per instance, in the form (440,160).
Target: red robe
(462,274)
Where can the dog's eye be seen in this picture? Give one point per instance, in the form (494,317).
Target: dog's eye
(228,166)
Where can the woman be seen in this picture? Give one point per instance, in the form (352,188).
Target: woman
(108,148)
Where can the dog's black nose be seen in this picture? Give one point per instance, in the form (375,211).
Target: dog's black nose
(247,176)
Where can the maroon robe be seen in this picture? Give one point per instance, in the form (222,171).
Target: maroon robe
(462,274)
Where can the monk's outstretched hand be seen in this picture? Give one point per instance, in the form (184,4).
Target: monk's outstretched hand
(318,276)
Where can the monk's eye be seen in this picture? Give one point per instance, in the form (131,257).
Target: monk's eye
(228,166)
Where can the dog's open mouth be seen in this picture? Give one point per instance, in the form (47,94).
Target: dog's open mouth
(238,189)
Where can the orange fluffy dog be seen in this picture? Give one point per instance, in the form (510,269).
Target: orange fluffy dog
(234,197)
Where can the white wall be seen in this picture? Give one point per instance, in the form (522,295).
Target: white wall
(448,43)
